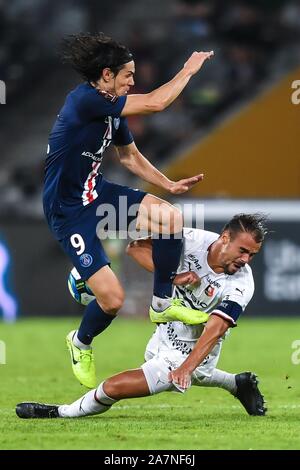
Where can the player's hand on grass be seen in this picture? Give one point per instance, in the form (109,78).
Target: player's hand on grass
(187,279)
(181,378)
(195,62)
(181,186)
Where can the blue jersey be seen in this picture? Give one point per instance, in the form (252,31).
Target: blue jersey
(86,125)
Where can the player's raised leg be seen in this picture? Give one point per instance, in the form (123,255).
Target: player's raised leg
(97,317)
(165,223)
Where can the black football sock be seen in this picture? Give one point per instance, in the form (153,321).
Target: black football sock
(94,321)
(166,256)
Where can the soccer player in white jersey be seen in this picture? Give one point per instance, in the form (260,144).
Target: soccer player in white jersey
(215,277)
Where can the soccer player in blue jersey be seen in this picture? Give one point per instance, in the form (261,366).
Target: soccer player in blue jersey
(92,117)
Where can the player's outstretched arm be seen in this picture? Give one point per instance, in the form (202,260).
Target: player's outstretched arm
(134,161)
(214,329)
(163,96)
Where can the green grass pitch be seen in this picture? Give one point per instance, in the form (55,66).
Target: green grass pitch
(38,369)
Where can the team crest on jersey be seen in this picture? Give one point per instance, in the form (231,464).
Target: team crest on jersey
(116,123)
(209,291)
(86,260)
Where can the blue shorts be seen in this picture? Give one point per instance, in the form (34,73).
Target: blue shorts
(80,240)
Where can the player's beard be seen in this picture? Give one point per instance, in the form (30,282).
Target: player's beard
(227,271)
(231,272)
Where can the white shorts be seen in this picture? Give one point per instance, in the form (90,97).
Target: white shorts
(160,360)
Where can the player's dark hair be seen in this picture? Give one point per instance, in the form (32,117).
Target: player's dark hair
(251,223)
(90,53)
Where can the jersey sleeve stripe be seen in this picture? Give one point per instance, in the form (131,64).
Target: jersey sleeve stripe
(219,313)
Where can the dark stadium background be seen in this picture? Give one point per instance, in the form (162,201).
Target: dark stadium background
(236,121)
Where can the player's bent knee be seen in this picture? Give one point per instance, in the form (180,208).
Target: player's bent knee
(112,305)
(112,308)
(111,388)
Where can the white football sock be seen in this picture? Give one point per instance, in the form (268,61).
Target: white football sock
(103,398)
(93,402)
(159,304)
(219,378)
(79,344)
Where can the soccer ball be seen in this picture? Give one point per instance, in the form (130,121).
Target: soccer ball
(78,288)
